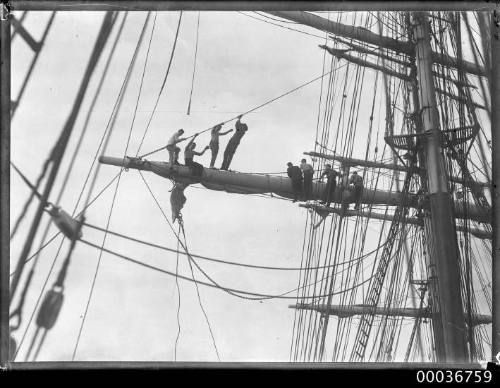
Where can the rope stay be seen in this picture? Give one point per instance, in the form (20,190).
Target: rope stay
(94,278)
(178,300)
(181,227)
(194,64)
(256,296)
(52,309)
(215,284)
(253,109)
(89,202)
(163,83)
(153,245)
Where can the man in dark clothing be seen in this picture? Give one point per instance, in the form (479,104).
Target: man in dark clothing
(308,172)
(233,143)
(331,183)
(356,182)
(295,174)
(177,200)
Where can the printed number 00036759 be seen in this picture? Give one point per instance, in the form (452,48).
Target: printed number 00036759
(454,376)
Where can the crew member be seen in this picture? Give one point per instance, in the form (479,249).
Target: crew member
(177,200)
(177,151)
(331,183)
(356,183)
(189,153)
(308,172)
(172,145)
(295,174)
(214,142)
(233,143)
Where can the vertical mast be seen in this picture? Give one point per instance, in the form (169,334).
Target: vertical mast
(442,241)
(495,163)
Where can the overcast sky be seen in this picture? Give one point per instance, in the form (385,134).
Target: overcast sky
(241,63)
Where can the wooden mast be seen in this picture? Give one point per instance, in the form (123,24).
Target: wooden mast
(443,247)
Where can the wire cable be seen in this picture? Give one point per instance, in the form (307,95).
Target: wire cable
(163,83)
(194,64)
(118,181)
(254,109)
(259,296)
(177,251)
(181,226)
(178,301)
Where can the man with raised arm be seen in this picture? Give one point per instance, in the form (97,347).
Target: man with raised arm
(214,142)
(189,153)
(172,145)
(233,143)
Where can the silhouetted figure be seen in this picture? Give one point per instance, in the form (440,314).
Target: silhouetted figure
(233,143)
(308,172)
(295,174)
(356,183)
(331,184)
(214,142)
(189,153)
(177,200)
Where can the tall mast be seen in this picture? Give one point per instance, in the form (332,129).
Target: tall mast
(495,163)
(442,241)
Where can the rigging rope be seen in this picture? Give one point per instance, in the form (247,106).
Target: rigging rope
(60,146)
(194,64)
(181,226)
(163,83)
(178,300)
(298,325)
(66,178)
(253,109)
(213,282)
(107,132)
(56,157)
(77,215)
(257,296)
(118,181)
(30,199)
(279,25)
(226,261)
(50,270)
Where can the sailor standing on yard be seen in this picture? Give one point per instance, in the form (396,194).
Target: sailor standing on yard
(189,153)
(331,183)
(233,143)
(356,183)
(172,145)
(295,174)
(308,172)
(214,142)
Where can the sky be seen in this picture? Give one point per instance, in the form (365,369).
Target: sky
(132,315)
(241,63)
